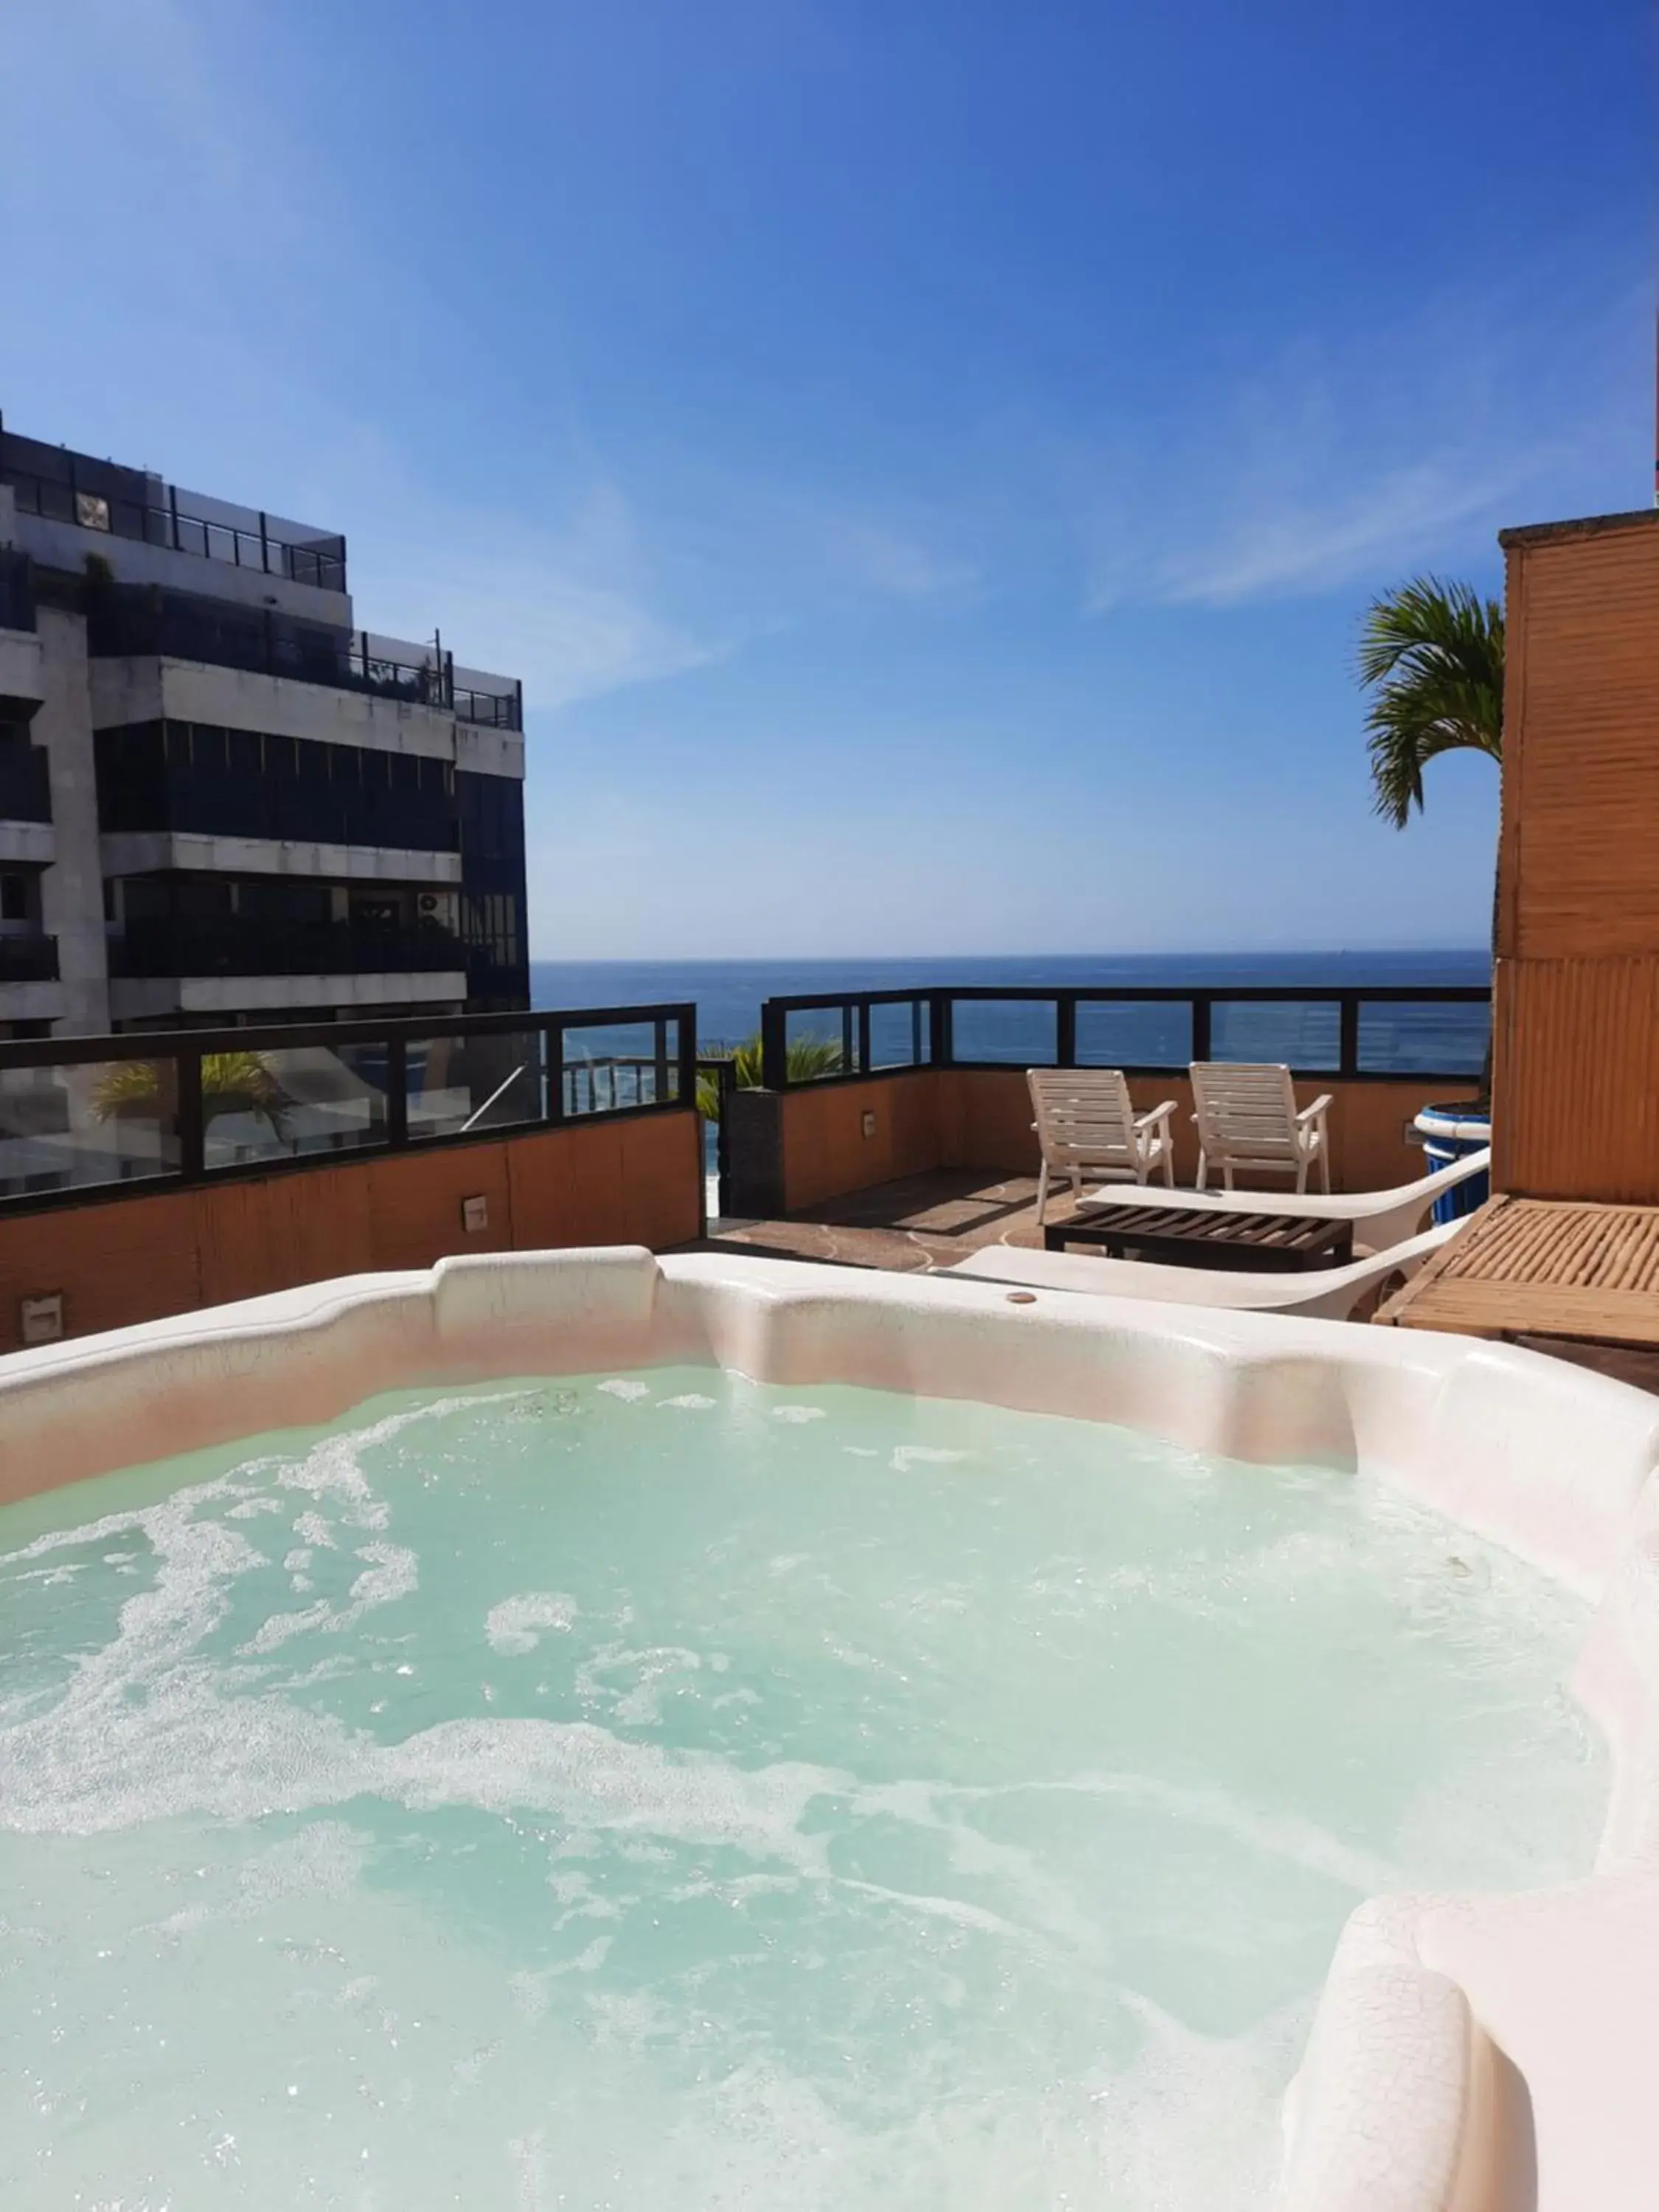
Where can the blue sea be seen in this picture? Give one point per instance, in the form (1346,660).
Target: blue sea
(728,994)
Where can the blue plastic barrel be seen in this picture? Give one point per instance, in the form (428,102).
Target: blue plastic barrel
(1448,1134)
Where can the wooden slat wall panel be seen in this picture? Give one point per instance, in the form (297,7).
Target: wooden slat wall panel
(259,1237)
(1586,744)
(136,1259)
(113,1264)
(1576,1014)
(1576,1079)
(415,1204)
(826,1151)
(661,1194)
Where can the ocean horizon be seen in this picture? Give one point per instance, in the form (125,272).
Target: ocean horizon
(728,994)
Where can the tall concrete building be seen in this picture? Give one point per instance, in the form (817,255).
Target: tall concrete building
(220,801)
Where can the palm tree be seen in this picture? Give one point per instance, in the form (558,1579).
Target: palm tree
(1433,655)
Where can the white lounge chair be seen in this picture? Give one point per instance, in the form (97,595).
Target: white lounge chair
(1380,1218)
(1328,1292)
(1248,1117)
(1086,1125)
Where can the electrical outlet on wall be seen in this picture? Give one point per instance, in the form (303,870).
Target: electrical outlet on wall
(474,1215)
(869,1125)
(40,1320)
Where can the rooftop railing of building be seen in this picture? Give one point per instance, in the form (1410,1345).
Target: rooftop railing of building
(103,498)
(90,1118)
(1438,1031)
(140,620)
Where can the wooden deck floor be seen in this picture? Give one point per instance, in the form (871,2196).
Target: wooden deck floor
(1527,1268)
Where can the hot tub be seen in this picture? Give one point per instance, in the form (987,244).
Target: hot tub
(673,1731)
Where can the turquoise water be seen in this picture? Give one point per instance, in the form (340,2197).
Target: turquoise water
(669,1791)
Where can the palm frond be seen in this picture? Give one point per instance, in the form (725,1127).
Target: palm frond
(1432,653)
(804,1061)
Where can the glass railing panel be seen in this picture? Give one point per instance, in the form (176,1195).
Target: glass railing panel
(483,1079)
(1135,1033)
(820,1041)
(1023,1032)
(901,1036)
(1297,1033)
(613,1067)
(295,1103)
(89,1123)
(1424,1036)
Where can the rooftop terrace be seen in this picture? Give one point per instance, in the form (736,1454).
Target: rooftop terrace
(63,486)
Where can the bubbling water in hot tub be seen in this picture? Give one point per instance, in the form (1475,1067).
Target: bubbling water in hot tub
(665,1789)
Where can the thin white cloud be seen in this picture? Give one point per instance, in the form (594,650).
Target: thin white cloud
(569,609)
(884,558)
(586,573)
(1402,447)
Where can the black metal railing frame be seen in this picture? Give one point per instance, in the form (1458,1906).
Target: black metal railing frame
(675,1083)
(138,620)
(854,1007)
(721,1071)
(320,561)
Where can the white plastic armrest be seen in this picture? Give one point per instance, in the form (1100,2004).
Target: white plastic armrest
(1314,1111)
(1158,1114)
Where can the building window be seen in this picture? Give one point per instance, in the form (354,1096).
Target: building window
(14,898)
(199,778)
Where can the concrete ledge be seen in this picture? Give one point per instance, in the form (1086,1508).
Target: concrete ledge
(1471,2054)
(146,687)
(28,844)
(32,1002)
(141,998)
(138,852)
(22,683)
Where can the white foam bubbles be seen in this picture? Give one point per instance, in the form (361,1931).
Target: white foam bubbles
(518,1624)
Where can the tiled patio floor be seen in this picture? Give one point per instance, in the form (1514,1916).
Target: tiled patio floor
(914,1225)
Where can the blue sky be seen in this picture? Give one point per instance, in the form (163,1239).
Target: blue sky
(928,459)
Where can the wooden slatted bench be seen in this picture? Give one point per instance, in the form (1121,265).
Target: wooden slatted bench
(1578,1279)
(1259,1242)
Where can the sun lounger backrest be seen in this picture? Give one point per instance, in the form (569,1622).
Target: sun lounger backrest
(1244,1111)
(1084,1116)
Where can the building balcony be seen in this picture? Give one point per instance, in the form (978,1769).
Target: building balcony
(27,957)
(104,500)
(129,622)
(234,945)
